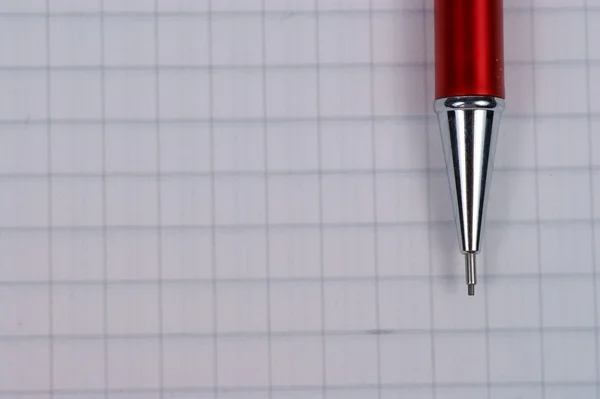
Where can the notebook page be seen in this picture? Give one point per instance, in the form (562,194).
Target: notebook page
(247,199)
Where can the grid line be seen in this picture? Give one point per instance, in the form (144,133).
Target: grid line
(488,374)
(374,190)
(446,277)
(537,212)
(104,212)
(430,279)
(292,226)
(279,120)
(285,280)
(151,67)
(265,132)
(159,204)
(323,334)
(275,173)
(314,334)
(213,238)
(303,389)
(545,9)
(591,188)
(49,206)
(574,170)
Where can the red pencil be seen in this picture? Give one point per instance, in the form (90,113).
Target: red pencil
(469,101)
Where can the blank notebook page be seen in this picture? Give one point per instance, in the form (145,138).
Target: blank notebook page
(246,199)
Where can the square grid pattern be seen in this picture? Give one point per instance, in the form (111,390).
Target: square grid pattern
(247,199)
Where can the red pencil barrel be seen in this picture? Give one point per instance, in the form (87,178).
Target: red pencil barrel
(469,48)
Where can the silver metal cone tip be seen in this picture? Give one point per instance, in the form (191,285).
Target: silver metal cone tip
(469,130)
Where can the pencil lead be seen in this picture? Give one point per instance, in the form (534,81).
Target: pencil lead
(471,272)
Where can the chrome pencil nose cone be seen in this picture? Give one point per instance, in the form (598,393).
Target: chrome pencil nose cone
(469,130)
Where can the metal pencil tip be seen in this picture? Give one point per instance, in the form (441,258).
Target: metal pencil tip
(471,272)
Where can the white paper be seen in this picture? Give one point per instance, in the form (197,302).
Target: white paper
(247,199)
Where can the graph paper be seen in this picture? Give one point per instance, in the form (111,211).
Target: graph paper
(247,199)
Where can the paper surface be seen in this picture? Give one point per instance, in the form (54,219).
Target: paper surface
(247,199)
